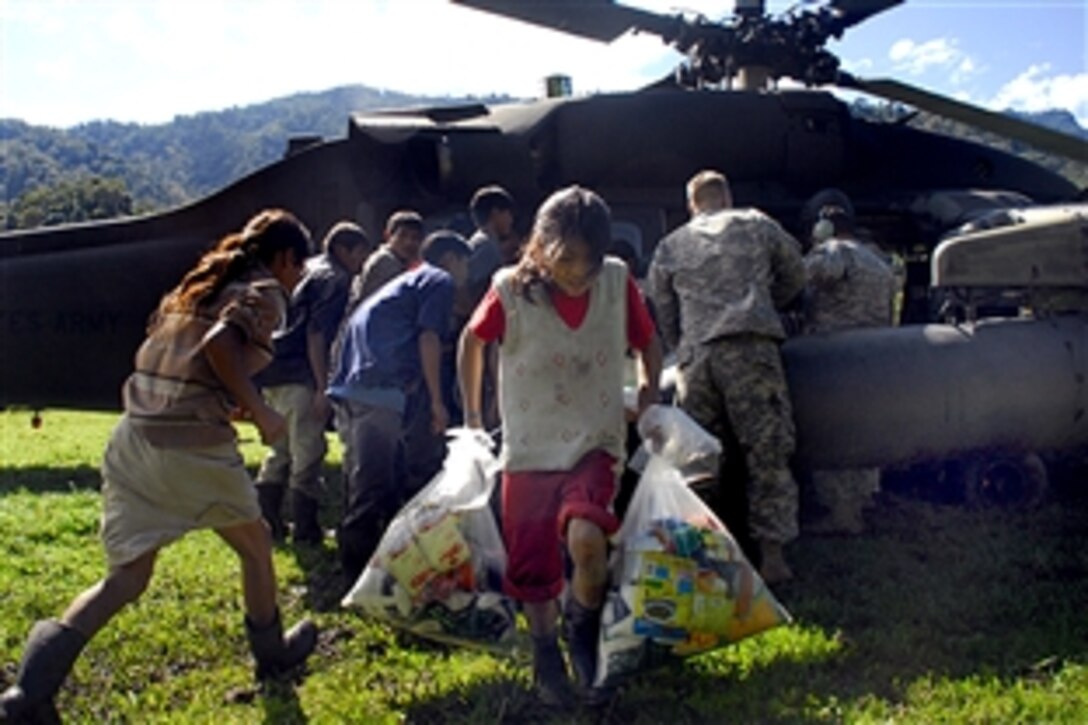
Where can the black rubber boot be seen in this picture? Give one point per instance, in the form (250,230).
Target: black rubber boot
(270,497)
(583,630)
(277,653)
(307,529)
(550,680)
(51,650)
(356,543)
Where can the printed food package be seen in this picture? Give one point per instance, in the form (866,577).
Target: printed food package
(679,582)
(437,571)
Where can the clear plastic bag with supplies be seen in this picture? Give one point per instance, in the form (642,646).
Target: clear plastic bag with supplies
(437,571)
(679,582)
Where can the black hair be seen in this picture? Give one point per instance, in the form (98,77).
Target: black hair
(403,219)
(488,199)
(347,235)
(442,242)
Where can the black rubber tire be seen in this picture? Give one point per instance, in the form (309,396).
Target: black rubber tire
(1017,481)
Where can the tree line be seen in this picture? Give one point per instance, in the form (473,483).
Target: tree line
(105,169)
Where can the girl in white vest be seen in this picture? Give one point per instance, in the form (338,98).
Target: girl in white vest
(565,318)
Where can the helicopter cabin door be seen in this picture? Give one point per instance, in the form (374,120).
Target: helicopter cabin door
(815,139)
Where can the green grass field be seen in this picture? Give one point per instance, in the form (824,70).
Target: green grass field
(941,614)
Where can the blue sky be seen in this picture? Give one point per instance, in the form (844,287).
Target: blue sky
(64,62)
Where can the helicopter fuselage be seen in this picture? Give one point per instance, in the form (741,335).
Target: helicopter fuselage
(74,300)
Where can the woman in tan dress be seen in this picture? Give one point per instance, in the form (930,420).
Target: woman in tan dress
(172,464)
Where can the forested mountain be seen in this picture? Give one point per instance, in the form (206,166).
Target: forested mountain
(168,164)
(105,168)
(1062,121)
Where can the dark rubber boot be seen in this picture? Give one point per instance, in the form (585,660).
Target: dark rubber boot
(356,544)
(277,653)
(583,630)
(307,529)
(51,650)
(550,680)
(270,497)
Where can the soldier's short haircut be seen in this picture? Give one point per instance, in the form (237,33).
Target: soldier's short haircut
(708,188)
(347,235)
(488,199)
(403,219)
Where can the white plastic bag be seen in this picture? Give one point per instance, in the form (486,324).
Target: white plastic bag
(437,571)
(669,432)
(679,582)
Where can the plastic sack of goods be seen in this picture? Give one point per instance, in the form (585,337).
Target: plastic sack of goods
(437,571)
(680,584)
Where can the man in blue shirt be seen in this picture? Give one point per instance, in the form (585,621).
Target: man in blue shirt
(389,360)
(294,383)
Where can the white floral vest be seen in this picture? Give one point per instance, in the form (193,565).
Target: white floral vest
(561,390)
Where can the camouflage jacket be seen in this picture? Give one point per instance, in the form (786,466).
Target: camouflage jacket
(724,273)
(847,285)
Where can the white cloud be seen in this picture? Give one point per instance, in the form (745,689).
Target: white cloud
(964,71)
(860,66)
(940,54)
(1035,90)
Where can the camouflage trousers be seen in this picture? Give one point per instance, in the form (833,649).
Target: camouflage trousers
(738,383)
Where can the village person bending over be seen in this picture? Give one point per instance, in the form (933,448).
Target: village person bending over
(294,383)
(387,394)
(172,464)
(717,284)
(565,316)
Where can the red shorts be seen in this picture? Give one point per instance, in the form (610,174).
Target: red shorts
(536,506)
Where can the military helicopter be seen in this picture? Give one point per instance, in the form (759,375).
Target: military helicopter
(985,397)
(74,300)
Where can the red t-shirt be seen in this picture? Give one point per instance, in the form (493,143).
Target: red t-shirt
(488,321)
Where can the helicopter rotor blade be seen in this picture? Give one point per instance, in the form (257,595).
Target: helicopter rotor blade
(1044,139)
(852,12)
(602,20)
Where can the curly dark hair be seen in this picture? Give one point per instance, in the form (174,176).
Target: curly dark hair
(265,235)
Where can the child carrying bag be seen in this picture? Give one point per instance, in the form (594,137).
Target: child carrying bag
(679,583)
(437,571)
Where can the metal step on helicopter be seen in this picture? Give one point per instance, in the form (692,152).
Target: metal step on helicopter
(1001,390)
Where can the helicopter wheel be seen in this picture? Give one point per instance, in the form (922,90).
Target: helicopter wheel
(1006,481)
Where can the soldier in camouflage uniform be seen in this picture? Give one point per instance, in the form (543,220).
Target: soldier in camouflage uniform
(717,283)
(848,286)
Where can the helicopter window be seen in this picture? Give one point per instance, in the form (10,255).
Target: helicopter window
(630,233)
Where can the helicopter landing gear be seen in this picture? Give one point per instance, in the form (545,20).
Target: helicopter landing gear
(1013,481)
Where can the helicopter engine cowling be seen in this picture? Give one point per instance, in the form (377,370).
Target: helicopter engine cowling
(888,396)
